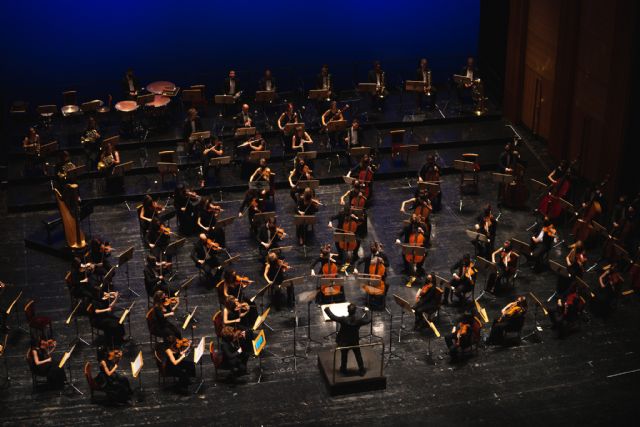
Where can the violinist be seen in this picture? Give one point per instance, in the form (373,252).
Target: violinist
(239,314)
(348,223)
(307,206)
(83,283)
(486,225)
(428,300)
(244,150)
(506,259)
(99,255)
(542,243)
(430,172)
(262,172)
(607,292)
(275,270)
(164,308)
(463,280)
(185,203)
(414,234)
(205,257)
(567,311)
(299,139)
(364,171)
(290,115)
(301,172)
(511,319)
(207,217)
(270,236)
(158,237)
(461,336)
(212,149)
(154,277)
(101,317)
(236,350)
(115,384)
(234,284)
(176,363)
(575,261)
(42,365)
(255,201)
(331,115)
(147,212)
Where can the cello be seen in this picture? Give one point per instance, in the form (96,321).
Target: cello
(550,205)
(349,226)
(377,270)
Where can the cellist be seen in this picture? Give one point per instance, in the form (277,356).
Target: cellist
(364,171)
(590,210)
(486,225)
(414,234)
(510,317)
(328,269)
(348,222)
(430,172)
(463,279)
(609,286)
(560,183)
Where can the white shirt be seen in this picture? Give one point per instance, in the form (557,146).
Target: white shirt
(232,87)
(268,85)
(378,79)
(469,74)
(354,136)
(424,76)
(193,125)
(325,82)
(131,87)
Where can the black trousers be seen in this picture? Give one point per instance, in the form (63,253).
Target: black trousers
(344,355)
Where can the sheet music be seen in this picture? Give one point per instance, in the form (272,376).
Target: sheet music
(340,309)
(189,317)
(199,351)
(125,313)
(136,365)
(66,356)
(260,320)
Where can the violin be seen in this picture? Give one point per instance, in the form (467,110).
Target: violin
(280,233)
(463,329)
(115,355)
(165,230)
(266,174)
(550,230)
(242,307)
(50,345)
(170,301)
(243,281)
(283,265)
(182,343)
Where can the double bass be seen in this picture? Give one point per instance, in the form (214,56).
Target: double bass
(550,205)
(583,227)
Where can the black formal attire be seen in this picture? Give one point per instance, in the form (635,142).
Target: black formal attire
(56,377)
(129,85)
(262,84)
(233,360)
(428,303)
(186,213)
(115,385)
(267,235)
(309,210)
(107,322)
(211,262)
(228,89)
(421,76)
(153,282)
(162,326)
(183,371)
(349,335)
(466,339)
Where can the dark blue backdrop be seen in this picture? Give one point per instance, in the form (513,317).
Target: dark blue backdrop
(55,45)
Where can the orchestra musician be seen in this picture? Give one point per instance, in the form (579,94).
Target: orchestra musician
(245,118)
(41,363)
(427,301)
(115,384)
(567,311)
(164,308)
(109,159)
(101,317)
(307,206)
(269,236)
(560,180)
(158,237)
(130,86)
(364,172)
(185,203)
(205,257)
(299,139)
(423,74)
(348,223)
(154,277)
(575,261)
(90,140)
(62,168)
(414,234)
(331,115)
(233,346)
(176,364)
(328,292)
(234,284)
(472,73)
(508,159)
(420,206)
(461,336)
(31,146)
(511,319)
(506,260)
(267,82)
(290,115)
(324,81)
(275,270)
(244,150)
(149,210)
(486,225)
(82,283)
(239,314)
(192,124)
(377,76)
(232,85)
(542,243)
(607,292)
(300,172)
(99,254)
(430,172)
(355,135)
(375,251)
(349,336)
(255,201)
(207,218)
(463,280)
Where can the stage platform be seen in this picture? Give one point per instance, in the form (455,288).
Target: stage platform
(373,379)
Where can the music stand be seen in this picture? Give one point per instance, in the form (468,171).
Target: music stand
(259,344)
(397,138)
(294,281)
(430,186)
(359,151)
(48,148)
(310,183)
(367,88)
(244,131)
(406,307)
(539,186)
(406,150)
(193,96)
(414,85)
(202,135)
(123,259)
(319,94)
(461,80)
(186,285)
(224,100)
(107,278)
(136,368)
(197,359)
(73,317)
(466,167)
(263,217)
(475,236)
(72,174)
(502,179)
(307,297)
(167,168)
(365,281)
(143,100)
(487,267)
(521,247)
(65,358)
(260,294)
(189,320)
(561,271)
(255,156)
(436,332)
(336,125)
(537,327)
(125,316)
(122,168)
(304,221)
(265,96)
(260,185)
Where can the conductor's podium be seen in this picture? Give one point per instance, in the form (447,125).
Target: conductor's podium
(337,383)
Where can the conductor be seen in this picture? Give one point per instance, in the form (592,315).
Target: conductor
(349,336)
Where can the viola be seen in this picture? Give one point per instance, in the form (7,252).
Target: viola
(416,238)
(243,280)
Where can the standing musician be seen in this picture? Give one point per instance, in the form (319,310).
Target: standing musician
(364,172)
(299,139)
(610,283)
(567,311)
(109,379)
(90,141)
(324,81)
(300,172)
(430,172)
(541,243)
(377,76)
(508,159)
(176,364)
(513,194)
(414,234)
(506,259)
(274,274)
(511,318)
(109,159)
(42,365)
(154,277)
(267,82)
(233,347)
(486,225)
(164,307)
(185,203)
(130,86)
(269,236)
(349,335)
(461,336)
(428,301)
(307,206)
(245,118)
(101,317)
(232,86)
(354,138)
(463,280)
(205,257)
(348,223)
(331,115)
(423,74)
(192,124)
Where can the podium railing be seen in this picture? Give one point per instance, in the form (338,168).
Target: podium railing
(380,343)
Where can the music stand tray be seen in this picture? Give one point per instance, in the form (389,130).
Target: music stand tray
(307,155)
(336,125)
(255,156)
(367,87)
(219,161)
(319,94)
(311,183)
(265,95)
(290,127)
(414,86)
(224,99)
(359,151)
(244,131)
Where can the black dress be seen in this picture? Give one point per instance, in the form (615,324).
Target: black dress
(162,326)
(108,323)
(183,371)
(115,385)
(56,377)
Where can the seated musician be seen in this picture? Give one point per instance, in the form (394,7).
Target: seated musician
(486,225)
(269,236)
(238,314)
(255,201)
(506,259)
(420,206)
(375,251)
(101,317)
(83,281)
(364,172)
(176,363)
(377,76)
(130,86)
(508,159)
(299,139)
(148,210)
(463,280)
(245,118)
(154,277)
(63,166)
(428,301)
(90,140)
(115,384)
(290,115)
(109,159)
(423,74)
(205,256)
(324,80)
(99,254)
(307,206)
(430,172)
(567,311)
(331,115)
(542,243)
(164,308)
(31,147)
(414,234)
(301,172)
(267,82)
(262,172)
(275,270)
(41,363)
(243,151)
(192,124)
(207,217)
(607,292)
(232,85)
(233,284)
(461,336)
(348,222)
(185,203)
(236,350)
(511,319)
(158,237)
(328,269)
(575,262)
